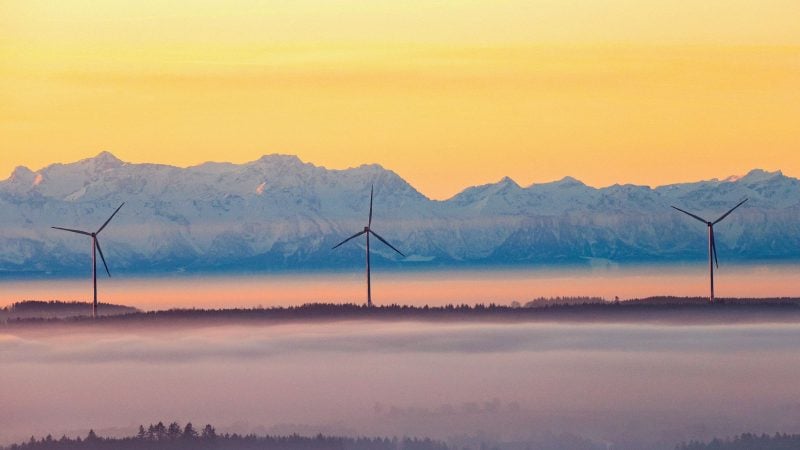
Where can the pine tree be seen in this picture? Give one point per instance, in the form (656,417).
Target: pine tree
(174,431)
(209,433)
(160,431)
(189,432)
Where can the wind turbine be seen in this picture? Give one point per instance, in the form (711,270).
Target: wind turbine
(712,246)
(367,231)
(95,250)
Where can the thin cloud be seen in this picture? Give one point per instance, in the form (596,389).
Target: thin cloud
(249,343)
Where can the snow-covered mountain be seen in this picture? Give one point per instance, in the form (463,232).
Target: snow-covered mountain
(281,213)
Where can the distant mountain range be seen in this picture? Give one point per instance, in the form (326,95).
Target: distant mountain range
(279,213)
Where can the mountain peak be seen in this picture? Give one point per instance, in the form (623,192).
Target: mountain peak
(508,181)
(21,172)
(501,185)
(105,160)
(371,167)
(567,181)
(281,163)
(106,156)
(279,157)
(757,175)
(24,178)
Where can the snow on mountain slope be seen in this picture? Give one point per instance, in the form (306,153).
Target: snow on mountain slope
(280,213)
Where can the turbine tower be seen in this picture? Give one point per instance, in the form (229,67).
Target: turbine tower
(95,250)
(712,246)
(367,231)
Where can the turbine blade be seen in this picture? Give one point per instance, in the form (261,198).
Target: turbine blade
(351,237)
(730,211)
(387,243)
(690,214)
(371,191)
(72,231)
(109,219)
(714,247)
(100,250)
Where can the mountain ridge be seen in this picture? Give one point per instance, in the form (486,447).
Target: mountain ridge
(107,159)
(279,212)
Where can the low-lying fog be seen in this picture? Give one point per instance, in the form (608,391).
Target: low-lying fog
(633,386)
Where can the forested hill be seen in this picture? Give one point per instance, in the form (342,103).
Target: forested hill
(54,309)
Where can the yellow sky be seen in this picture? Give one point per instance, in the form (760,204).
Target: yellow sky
(446,93)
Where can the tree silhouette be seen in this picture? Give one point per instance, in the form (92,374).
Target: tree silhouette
(174,431)
(209,433)
(189,431)
(160,431)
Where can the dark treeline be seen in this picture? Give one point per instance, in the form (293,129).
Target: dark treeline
(748,441)
(177,437)
(58,305)
(58,309)
(558,301)
(578,308)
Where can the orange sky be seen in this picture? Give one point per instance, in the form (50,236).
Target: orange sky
(446,93)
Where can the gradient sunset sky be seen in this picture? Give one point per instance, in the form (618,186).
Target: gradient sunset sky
(446,93)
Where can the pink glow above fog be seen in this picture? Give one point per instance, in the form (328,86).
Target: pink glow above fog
(433,288)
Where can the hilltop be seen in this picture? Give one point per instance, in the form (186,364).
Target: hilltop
(54,309)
